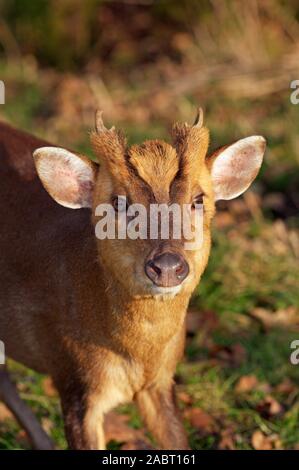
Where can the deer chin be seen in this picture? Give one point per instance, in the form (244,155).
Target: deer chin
(166,291)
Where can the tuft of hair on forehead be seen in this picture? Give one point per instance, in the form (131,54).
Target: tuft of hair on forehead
(156,163)
(191,144)
(109,146)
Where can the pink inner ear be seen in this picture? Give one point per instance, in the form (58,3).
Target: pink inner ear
(66,185)
(235,167)
(67,177)
(241,164)
(239,173)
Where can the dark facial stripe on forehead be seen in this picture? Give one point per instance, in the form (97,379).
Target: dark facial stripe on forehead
(155,165)
(145,186)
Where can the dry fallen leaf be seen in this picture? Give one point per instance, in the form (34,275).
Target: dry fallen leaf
(200,420)
(137,445)
(239,354)
(275,439)
(233,355)
(260,441)
(224,219)
(198,321)
(47,425)
(227,441)
(22,439)
(238,207)
(193,321)
(264,387)
(185,398)
(5,413)
(22,387)
(117,429)
(283,317)
(246,383)
(269,407)
(286,387)
(48,387)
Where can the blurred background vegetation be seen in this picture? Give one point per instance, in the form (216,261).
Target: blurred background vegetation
(147,63)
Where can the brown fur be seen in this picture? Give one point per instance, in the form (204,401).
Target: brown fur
(83,310)
(158,155)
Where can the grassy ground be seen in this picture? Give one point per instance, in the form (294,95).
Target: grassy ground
(236,386)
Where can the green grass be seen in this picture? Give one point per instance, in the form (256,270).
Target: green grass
(212,388)
(249,267)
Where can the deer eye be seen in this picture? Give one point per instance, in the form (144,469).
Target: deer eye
(120,203)
(197,200)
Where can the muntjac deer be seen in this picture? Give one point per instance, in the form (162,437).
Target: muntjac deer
(105,317)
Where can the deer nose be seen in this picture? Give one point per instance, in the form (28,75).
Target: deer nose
(167,269)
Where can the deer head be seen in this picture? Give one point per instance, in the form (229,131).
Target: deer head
(154,172)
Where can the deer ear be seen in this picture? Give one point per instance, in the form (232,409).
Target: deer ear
(69,178)
(233,168)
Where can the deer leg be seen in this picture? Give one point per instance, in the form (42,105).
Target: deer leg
(159,411)
(83,427)
(83,414)
(9,395)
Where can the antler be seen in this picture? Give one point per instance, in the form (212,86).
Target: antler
(191,143)
(199,119)
(109,145)
(99,124)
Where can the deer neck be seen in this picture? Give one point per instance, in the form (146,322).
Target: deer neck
(150,321)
